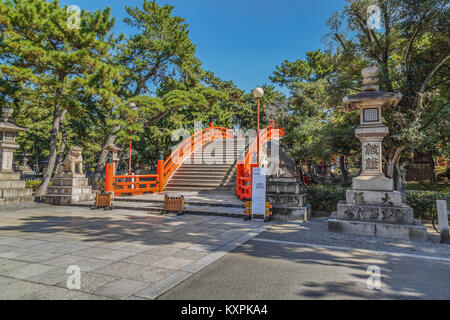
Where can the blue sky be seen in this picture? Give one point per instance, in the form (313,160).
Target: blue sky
(242,40)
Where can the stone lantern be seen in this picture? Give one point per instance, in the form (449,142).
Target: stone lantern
(371,130)
(372,207)
(12,190)
(8,132)
(114,155)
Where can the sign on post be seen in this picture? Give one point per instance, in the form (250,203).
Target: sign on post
(259,191)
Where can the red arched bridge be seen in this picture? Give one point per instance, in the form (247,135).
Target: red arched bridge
(214,159)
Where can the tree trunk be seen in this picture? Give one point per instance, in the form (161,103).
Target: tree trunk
(100,168)
(345,176)
(62,148)
(401,174)
(393,161)
(53,146)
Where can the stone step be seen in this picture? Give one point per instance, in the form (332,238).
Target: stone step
(67,200)
(196,179)
(68,182)
(187,202)
(13,200)
(201,175)
(15,193)
(190,183)
(414,231)
(212,166)
(12,184)
(212,162)
(68,190)
(195,189)
(9,176)
(189,209)
(205,169)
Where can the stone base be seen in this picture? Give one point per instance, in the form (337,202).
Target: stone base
(415,231)
(287,198)
(290,200)
(380,198)
(379,214)
(12,190)
(285,185)
(67,189)
(373,183)
(292,213)
(5,201)
(67,200)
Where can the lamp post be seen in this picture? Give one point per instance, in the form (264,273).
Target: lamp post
(134,108)
(258,94)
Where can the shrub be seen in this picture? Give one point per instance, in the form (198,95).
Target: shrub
(33,184)
(324,198)
(428,187)
(424,203)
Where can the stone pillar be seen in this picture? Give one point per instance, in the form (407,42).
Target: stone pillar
(372,207)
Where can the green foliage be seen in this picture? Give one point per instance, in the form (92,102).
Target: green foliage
(324,198)
(33,184)
(428,187)
(424,203)
(56,70)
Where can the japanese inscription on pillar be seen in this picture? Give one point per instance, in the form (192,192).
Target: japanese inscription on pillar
(372,155)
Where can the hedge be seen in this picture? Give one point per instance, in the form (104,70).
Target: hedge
(324,198)
(424,202)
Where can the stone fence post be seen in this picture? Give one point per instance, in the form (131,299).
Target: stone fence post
(443,220)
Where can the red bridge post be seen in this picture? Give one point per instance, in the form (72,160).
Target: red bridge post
(160,171)
(109,177)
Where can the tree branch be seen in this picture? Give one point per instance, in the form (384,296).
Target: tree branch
(413,37)
(432,72)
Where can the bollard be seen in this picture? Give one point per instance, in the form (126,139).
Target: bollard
(443,220)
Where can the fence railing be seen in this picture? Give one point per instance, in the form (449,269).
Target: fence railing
(245,168)
(139,184)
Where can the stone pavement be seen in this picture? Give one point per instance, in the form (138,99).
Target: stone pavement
(302,260)
(315,232)
(121,254)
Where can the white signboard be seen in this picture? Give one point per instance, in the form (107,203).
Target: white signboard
(259,191)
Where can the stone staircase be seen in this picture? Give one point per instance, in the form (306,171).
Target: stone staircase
(210,169)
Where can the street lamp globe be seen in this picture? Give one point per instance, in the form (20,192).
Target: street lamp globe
(133,106)
(258,93)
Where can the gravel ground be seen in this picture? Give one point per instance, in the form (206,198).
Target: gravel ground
(316,232)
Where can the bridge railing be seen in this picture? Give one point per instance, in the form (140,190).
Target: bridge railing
(245,167)
(139,184)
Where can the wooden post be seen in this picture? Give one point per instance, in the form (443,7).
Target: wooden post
(211,131)
(238,175)
(160,170)
(109,176)
(443,220)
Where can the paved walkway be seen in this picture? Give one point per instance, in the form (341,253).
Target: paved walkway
(121,254)
(304,261)
(275,270)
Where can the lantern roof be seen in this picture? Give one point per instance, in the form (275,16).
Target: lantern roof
(7,124)
(370,92)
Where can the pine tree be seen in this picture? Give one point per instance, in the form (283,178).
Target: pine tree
(55,62)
